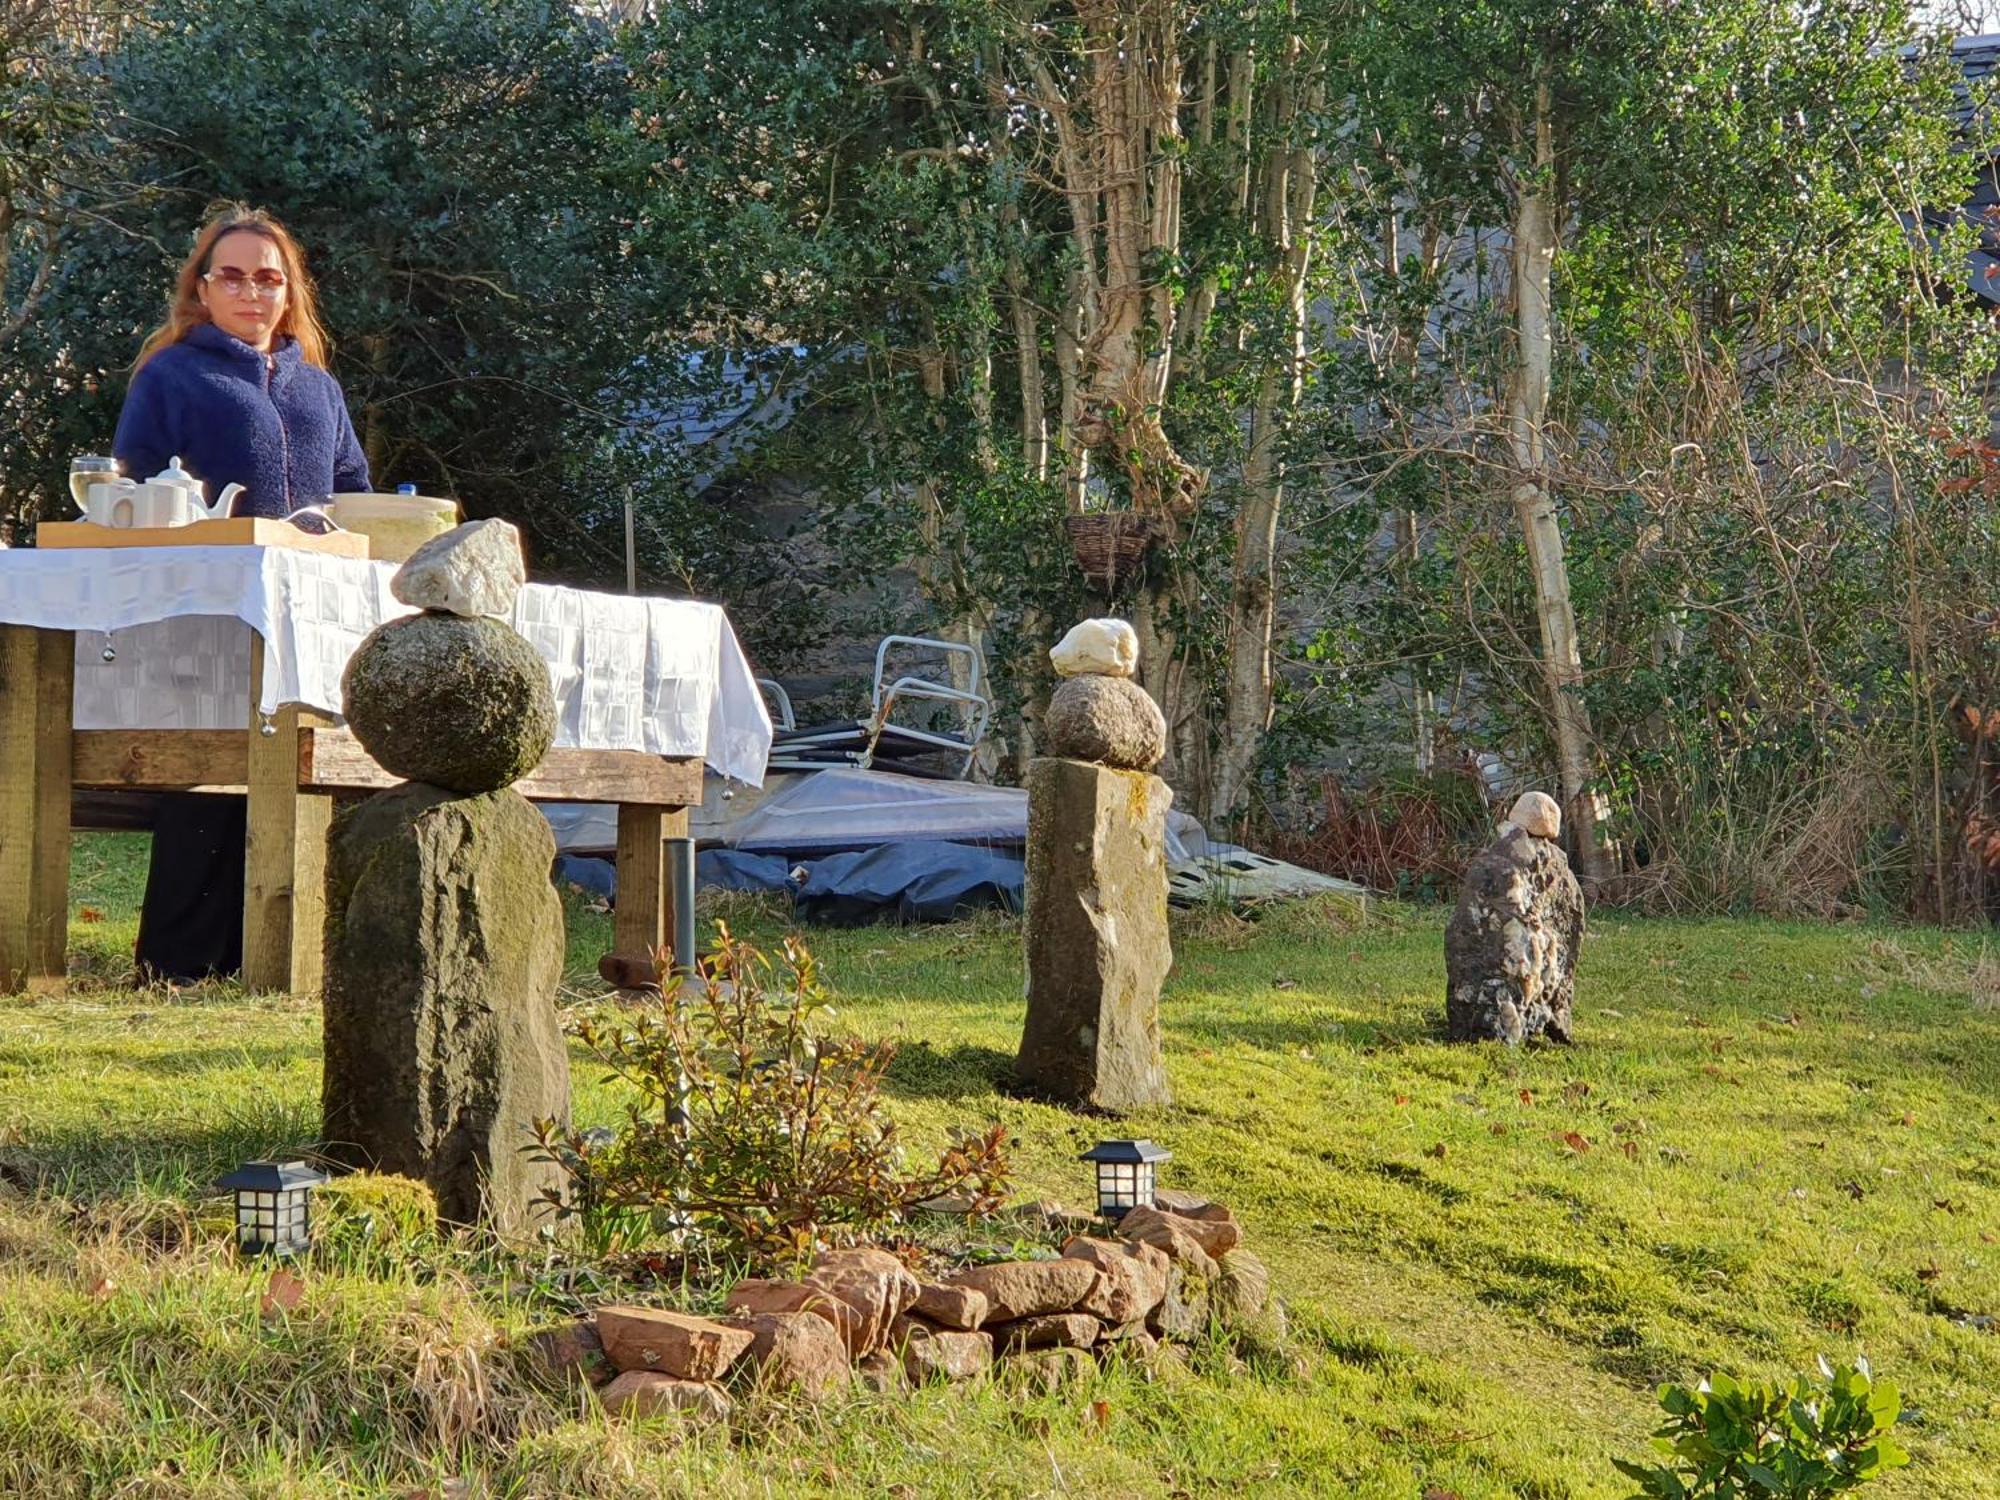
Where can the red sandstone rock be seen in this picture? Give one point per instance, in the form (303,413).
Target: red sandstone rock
(1183,1312)
(573,1349)
(1241,1288)
(1048,1369)
(873,1285)
(641,1393)
(1028,1288)
(671,1343)
(880,1371)
(951,1306)
(1180,1238)
(930,1353)
(795,1349)
(1063,1330)
(1134,1277)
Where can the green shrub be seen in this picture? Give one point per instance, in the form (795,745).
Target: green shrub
(1804,1441)
(752,1131)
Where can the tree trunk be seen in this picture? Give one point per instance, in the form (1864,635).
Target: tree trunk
(1291,182)
(1535,232)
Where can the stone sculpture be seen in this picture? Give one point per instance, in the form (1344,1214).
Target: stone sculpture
(1096,918)
(1510,947)
(444,939)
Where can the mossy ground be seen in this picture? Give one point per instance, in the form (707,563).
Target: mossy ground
(1771,1141)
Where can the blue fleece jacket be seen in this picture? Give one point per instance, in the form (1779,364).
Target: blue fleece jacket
(273,424)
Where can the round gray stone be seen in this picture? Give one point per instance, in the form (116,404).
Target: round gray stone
(451,702)
(1109,720)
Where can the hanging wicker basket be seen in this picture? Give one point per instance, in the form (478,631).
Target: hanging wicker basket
(1111,548)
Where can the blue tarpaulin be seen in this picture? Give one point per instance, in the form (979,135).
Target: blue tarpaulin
(920,880)
(924,880)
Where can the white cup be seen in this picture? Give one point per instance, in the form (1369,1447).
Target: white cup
(113,504)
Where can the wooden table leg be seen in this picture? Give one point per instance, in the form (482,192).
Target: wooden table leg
(37,683)
(642,922)
(284,873)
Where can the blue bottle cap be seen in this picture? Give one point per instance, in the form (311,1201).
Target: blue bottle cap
(406,489)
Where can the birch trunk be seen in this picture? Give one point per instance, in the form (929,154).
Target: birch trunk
(1291,184)
(1535,230)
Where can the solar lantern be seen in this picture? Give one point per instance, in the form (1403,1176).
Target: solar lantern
(1125,1174)
(272,1216)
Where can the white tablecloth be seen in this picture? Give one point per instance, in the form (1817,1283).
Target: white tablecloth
(662,676)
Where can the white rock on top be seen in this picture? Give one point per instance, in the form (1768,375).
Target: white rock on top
(471,571)
(1097,648)
(1538,814)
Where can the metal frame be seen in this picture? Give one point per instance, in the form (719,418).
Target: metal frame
(776,697)
(861,743)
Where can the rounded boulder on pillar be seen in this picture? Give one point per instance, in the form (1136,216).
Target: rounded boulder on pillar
(457,703)
(1109,720)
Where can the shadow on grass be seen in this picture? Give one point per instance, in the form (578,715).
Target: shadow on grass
(169,1061)
(922,1071)
(178,1157)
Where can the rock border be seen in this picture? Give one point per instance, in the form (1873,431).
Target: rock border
(860,1317)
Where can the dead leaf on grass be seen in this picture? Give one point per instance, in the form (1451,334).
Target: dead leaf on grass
(1436,1152)
(1631,1150)
(1575,1140)
(1527,1097)
(89,914)
(1930,1272)
(282,1295)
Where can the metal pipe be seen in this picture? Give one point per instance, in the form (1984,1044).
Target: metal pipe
(631,550)
(680,881)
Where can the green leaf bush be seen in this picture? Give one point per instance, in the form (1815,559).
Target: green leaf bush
(1809,1439)
(752,1133)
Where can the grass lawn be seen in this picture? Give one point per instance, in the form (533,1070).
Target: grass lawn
(1771,1141)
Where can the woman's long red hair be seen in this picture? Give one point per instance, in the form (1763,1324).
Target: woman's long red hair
(184,309)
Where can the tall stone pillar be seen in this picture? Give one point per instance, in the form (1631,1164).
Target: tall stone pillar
(1096,921)
(444,938)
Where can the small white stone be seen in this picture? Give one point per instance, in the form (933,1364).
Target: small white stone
(1097,648)
(471,571)
(1538,814)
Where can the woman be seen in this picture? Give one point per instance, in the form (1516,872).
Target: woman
(235,385)
(235,382)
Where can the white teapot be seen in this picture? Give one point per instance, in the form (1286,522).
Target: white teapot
(173,497)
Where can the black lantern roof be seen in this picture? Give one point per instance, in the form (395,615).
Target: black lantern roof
(1126,1153)
(273,1177)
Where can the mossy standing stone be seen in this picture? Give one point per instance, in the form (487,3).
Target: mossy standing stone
(444,946)
(1096,936)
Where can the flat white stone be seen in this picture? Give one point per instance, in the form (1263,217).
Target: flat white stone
(1097,648)
(472,571)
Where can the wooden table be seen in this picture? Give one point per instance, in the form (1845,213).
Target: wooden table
(291,777)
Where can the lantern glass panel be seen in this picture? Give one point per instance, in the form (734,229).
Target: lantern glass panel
(1123,1185)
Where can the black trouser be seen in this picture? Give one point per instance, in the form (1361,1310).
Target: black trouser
(191,926)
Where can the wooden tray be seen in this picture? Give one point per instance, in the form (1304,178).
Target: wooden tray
(236,531)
